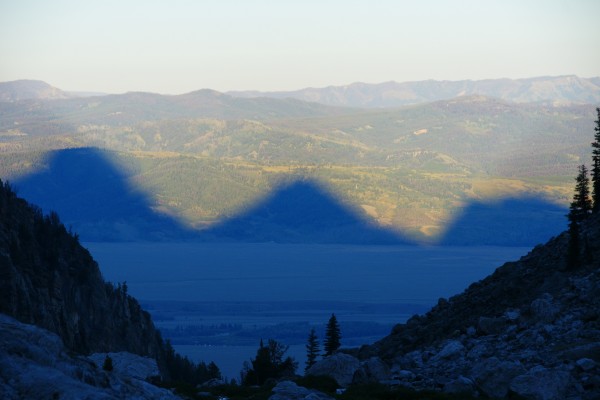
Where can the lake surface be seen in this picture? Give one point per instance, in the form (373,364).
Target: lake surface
(281,291)
(295,272)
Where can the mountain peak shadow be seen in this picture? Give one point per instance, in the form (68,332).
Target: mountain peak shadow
(301,212)
(93,197)
(516,221)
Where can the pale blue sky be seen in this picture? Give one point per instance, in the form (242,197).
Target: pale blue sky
(176,46)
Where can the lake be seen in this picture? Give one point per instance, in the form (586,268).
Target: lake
(286,272)
(280,291)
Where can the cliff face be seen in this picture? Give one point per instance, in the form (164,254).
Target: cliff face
(48,279)
(531,328)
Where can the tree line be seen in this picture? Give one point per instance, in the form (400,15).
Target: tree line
(269,362)
(585,202)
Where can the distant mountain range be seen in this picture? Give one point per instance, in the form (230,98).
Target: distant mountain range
(553,89)
(29,89)
(26,89)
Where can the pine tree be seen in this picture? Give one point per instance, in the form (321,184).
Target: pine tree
(596,165)
(332,336)
(261,365)
(312,349)
(269,363)
(580,209)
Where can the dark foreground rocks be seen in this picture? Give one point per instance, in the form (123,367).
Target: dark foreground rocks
(34,364)
(532,328)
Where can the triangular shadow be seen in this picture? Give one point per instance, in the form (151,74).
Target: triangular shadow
(516,221)
(302,212)
(92,196)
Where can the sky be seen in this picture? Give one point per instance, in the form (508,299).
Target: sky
(177,46)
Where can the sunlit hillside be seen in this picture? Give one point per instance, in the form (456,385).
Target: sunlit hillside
(206,156)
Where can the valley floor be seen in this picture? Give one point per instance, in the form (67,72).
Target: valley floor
(216,301)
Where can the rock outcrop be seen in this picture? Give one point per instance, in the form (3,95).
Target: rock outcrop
(34,364)
(339,366)
(288,390)
(347,369)
(532,329)
(129,365)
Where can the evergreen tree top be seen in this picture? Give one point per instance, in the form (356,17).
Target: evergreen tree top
(332,336)
(596,165)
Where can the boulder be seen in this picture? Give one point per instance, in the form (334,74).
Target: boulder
(540,383)
(586,364)
(460,385)
(493,376)
(411,360)
(211,383)
(480,351)
(492,326)
(544,309)
(372,370)
(403,374)
(288,390)
(129,365)
(34,364)
(586,350)
(339,366)
(451,350)
(512,314)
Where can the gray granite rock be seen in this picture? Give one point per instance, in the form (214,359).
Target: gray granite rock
(460,385)
(339,366)
(586,364)
(372,370)
(544,309)
(492,326)
(288,390)
(493,376)
(451,350)
(541,383)
(34,364)
(129,365)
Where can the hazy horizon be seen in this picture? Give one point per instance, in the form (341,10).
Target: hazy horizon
(83,90)
(182,46)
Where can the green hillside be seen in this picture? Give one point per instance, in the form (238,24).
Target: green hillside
(205,156)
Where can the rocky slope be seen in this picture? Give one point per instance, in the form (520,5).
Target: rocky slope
(34,364)
(532,328)
(48,279)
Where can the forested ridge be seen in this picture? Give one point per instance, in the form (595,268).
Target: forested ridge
(48,279)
